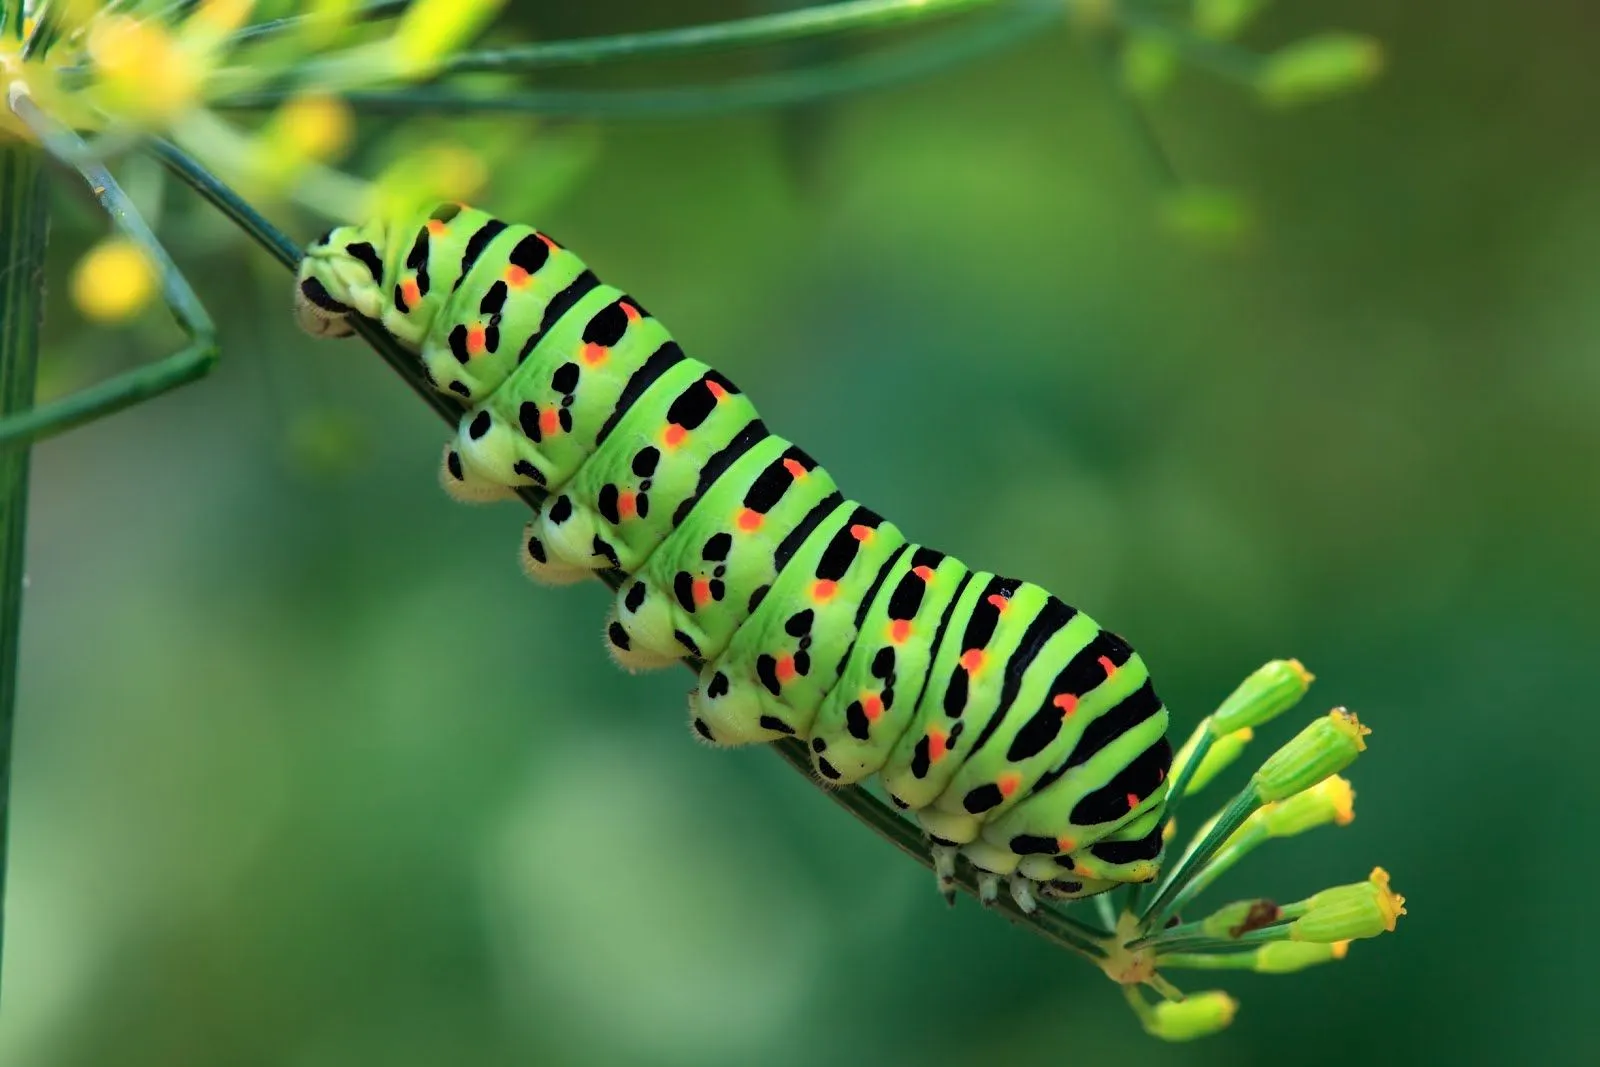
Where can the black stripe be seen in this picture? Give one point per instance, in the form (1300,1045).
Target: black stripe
(476,245)
(1139,778)
(562,302)
(938,639)
(754,432)
(559,305)
(1133,710)
(1051,620)
(866,603)
(1147,847)
(797,536)
(660,361)
(368,257)
(318,294)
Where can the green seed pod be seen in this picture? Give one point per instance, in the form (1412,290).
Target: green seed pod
(1287,957)
(1327,746)
(1329,801)
(1349,912)
(1198,1015)
(1262,697)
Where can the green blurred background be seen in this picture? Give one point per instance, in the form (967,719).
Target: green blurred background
(308,775)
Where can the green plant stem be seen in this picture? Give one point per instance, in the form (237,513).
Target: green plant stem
(1045,921)
(24,224)
(368,12)
(858,74)
(1208,961)
(189,363)
(1230,819)
(807,23)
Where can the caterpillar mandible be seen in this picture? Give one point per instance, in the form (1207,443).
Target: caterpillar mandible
(1017,732)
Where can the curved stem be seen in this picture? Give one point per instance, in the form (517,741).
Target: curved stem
(821,20)
(189,363)
(805,85)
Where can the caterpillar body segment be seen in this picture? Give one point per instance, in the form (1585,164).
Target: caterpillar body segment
(1018,733)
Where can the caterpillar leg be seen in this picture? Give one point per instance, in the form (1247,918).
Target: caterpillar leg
(1022,893)
(988,888)
(537,564)
(944,870)
(630,654)
(467,486)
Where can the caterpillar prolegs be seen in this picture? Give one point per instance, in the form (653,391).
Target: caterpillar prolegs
(1018,733)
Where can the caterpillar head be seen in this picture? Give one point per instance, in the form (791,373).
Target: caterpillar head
(341,274)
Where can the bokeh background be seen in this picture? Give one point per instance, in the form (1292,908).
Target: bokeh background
(307,774)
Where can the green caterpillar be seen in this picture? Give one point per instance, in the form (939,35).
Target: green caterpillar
(1019,733)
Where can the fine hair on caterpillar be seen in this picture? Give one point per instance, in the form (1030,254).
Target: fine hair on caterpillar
(1015,730)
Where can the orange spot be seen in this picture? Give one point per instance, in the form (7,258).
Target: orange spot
(550,421)
(410,293)
(627,504)
(936,745)
(436,227)
(860,533)
(785,668)
(925,573)
(899,630)
(972,659)
(716,390)
(822,589)
(795,468)
(749,521)
(872,704)
(594,355)
(1133,801)
(476,341)
(1065,844)
(674,434)
(516,277)
(701,591)
(551,245)
(630,311)
(1067,702)
(1107,666)
(1008,783)
(999,602)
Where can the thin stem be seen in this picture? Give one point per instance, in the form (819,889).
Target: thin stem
(1208,961)
(24,225)
(1132,112)
(192,361)
(1278,932)
(1231,818)
(45,28)
(1045,921)
(820,20)
(805,85)
(1218,57)
(1203,740)
(368,12)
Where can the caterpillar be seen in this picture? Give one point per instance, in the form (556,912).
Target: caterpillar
(1017,732)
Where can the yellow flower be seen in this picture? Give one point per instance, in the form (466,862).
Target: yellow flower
(114,281)
(140,68)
